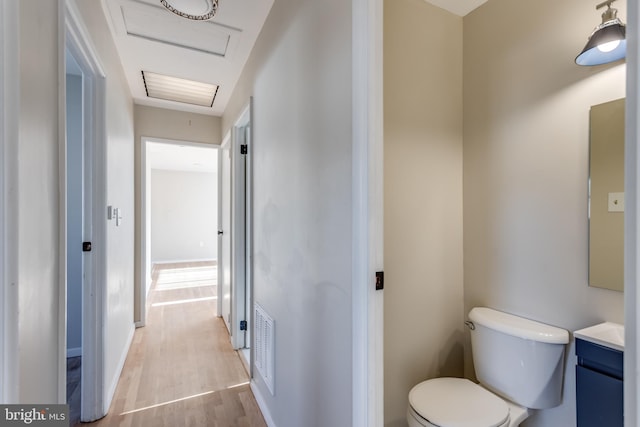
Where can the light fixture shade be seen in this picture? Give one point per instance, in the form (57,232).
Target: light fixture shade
(196,10)
(609,32)
(175,89)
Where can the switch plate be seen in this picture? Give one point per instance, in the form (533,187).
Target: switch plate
(616,202)
(117,212)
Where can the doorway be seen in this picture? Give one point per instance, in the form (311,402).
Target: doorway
(88,166)
(179,215)
(75,231)
(236,234)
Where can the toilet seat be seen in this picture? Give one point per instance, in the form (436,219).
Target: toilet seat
(457,402)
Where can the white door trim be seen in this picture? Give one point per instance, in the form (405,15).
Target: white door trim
(367,221)
(94,401)
(145,234)
(9,123)
(240,190)
(632,221)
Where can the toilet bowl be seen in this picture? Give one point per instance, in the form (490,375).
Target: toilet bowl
(458,402)
(519,365)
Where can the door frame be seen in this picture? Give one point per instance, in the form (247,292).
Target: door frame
(241,286)
(367,219)
(75,38)
(140,292)
(9,123)
(632,220)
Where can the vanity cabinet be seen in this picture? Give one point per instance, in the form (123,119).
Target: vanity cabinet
(599,386)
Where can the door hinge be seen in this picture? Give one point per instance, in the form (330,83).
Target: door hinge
(379,280)
(244,149)
(243,325)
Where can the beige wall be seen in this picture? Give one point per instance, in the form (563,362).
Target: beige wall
(177,125)
(526,124)
(165,124)
(423,302)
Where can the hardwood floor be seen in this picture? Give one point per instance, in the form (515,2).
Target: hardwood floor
(181,369)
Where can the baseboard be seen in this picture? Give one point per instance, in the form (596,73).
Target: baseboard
(74,352)
(111,391)
(262,405)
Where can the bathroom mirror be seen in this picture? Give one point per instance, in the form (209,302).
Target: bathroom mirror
(606,195)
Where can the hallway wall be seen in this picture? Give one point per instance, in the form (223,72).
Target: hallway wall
(38,183)
(119,324)
(300,77)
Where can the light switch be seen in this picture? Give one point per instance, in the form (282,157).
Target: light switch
(616,202)
(118,214)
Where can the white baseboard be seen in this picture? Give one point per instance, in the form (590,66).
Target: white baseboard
(74,352)
(116,376)
(262,405)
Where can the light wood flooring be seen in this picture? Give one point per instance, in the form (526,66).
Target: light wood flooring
(181,369)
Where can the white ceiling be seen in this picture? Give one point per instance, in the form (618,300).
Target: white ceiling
(458,7)
(148,37)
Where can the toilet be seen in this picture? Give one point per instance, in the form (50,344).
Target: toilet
(519,364)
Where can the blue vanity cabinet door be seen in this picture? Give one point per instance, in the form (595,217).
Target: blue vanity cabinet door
(599,386)
(599,399)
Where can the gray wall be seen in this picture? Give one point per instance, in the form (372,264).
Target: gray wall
(184,223)
(526,130)
(38,203)
(118,325)
(74,215)
(423,303)
(300,76)
(40,278)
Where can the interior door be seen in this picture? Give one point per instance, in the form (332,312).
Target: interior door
(224,234)
(238,239)
(248,295)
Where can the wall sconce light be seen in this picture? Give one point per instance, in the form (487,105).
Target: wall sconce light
(191,9)
(607,42)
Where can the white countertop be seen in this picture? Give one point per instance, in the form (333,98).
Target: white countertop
(608,334)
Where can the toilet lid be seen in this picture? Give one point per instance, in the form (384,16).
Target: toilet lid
(457,402)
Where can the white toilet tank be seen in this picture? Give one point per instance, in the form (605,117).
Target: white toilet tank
(519,359)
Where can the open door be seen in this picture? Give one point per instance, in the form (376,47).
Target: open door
(234,233)
(224,233)
(240,265)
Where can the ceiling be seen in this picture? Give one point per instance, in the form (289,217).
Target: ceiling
(148,37)
(458,7)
